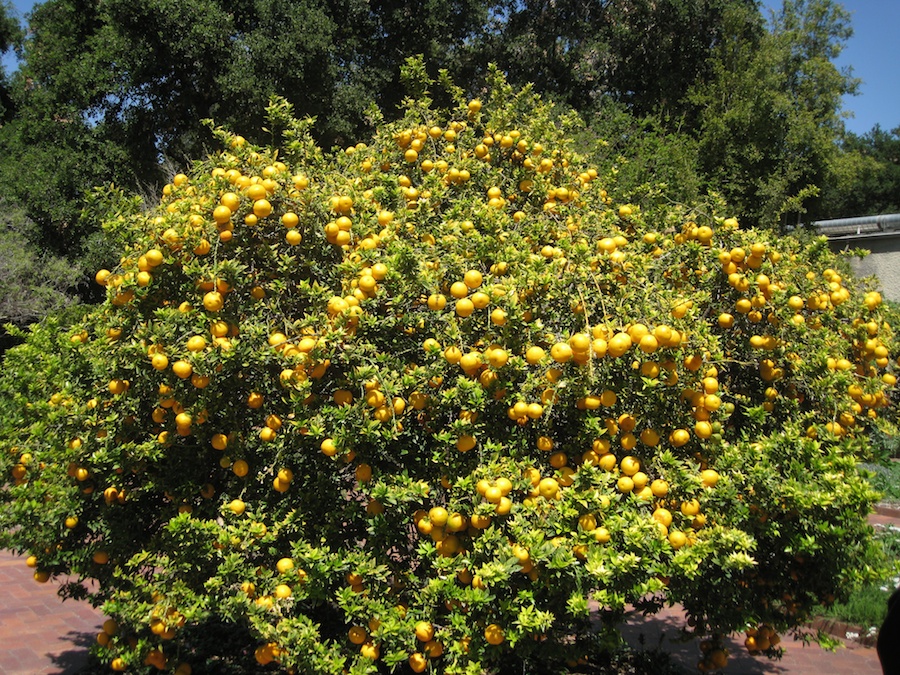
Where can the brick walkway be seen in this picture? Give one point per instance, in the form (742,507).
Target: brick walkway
(662,630)
(40,635)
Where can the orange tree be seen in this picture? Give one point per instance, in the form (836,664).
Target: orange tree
(438,402)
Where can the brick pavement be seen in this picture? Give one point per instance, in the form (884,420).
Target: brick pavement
(853,658)
(664,628)
(41,635)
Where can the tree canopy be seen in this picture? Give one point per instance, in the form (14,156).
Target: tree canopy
(699,95)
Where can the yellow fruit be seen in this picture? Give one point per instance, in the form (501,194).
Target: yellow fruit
(357,635)
(618,344)
(709,477)
(663,516)
(659,487)
(438,516)
(424,631)
(417,662)
(213,301)
(548,488)
(677,539)
(630,465)
(625,484)
(679,437)
(464,307)
(473,279)
(370,650)
(602,535)
(561,352)
(534,355)
(465,443)
(494,634)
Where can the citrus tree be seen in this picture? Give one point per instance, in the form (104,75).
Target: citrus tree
(438,402)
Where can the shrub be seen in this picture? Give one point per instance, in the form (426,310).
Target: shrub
(885,478)
(438,401)
(867,606)
(32,282)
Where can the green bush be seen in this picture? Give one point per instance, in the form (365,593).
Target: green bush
(867,606)
(885,478)
(32,282)
(439,401)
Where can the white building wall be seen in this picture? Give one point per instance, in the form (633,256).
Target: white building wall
(883,260)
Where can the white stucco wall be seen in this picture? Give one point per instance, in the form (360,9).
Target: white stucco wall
(883,261)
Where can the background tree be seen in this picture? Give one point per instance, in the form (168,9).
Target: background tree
(639,52)
(10,36)
(769,116)
(865,175)
(106,91)
(697,94)
(33,283)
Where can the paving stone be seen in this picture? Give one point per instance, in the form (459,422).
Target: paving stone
(40,633)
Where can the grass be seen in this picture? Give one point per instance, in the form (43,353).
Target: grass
(867,607)
(885,477)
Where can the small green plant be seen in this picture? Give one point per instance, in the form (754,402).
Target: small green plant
(867,606)
(885,444)
(886,479)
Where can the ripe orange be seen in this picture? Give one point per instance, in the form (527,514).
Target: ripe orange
(709,477)
(417,662)
(473,279)
(433,648)
(213,301)
(618,344)
(534,355)
(630,465)
(561,352)
(625,485)
(464,307)
(424,631)
(370,650)
(548,488)
(357,635)
(677,539)
(494,634)
(679,437)
(438,516)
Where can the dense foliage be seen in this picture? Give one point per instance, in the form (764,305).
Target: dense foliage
(441,400)
(696,96)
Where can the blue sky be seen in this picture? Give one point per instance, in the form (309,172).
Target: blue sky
(873,53)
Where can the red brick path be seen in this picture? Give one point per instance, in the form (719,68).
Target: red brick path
(39,633)
(662,630)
